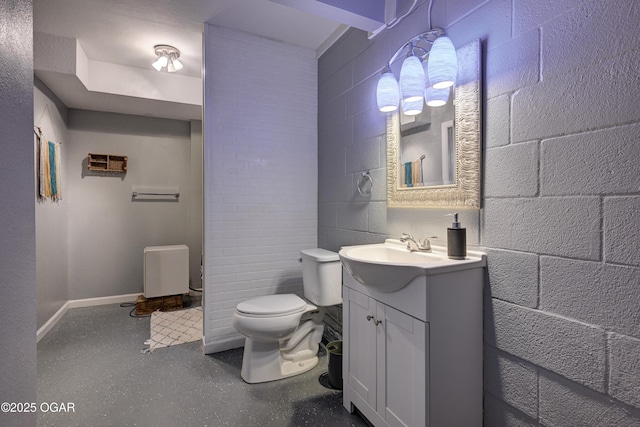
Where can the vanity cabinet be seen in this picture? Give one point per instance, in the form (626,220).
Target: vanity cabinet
(414,357)
(386,361)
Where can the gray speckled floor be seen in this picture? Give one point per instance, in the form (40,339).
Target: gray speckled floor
(92,359)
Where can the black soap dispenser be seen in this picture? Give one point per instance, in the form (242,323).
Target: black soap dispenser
(456,240)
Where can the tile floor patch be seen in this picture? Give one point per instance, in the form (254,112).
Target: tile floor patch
(174,328)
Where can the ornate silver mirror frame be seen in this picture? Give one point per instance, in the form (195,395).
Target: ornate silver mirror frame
(465,193)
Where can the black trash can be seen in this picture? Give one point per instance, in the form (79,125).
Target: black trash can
(335,364)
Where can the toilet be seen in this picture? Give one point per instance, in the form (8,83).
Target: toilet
(283,331)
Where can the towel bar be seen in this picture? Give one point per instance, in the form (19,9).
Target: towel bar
(136,194)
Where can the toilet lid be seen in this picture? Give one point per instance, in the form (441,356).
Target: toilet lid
(319,255)
(272,304)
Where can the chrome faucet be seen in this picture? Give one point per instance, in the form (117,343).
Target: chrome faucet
(414,245)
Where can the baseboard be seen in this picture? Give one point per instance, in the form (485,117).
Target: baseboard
(91,302)
(222,344)
(52,321)
(77,303)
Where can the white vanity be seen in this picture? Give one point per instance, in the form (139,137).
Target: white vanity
(412,331)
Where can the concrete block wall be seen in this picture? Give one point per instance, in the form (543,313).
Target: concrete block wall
(561,195)
(260,173)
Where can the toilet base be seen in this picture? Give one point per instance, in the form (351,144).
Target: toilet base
(263,361)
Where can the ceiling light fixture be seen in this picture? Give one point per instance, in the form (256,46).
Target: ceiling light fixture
(167,57)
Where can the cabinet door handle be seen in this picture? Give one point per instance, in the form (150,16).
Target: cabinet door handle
(370,317)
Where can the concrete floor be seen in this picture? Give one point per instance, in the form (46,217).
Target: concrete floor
(92,360)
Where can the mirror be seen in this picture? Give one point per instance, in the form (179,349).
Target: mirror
(433,159)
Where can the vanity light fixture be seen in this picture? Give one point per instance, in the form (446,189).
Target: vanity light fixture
(412,79)
(388,92)
(412,108)
(435,97)
(443,63)
(167,57)
(435,56)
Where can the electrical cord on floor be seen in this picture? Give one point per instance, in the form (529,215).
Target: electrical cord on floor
(133,304)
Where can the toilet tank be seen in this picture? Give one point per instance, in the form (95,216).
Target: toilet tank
(322,276)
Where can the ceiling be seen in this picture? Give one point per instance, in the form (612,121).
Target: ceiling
(119,35)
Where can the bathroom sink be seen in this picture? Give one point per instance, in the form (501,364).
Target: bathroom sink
(390,266)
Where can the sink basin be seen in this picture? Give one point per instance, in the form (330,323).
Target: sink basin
(390,266)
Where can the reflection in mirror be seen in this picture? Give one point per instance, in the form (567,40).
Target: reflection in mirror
(448,153)
(433,158)
(427,147)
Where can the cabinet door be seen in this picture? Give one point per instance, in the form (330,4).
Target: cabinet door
(361,357)
(402,372)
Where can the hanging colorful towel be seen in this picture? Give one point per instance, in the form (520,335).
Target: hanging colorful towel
(49,185)
(52,169)
(408,174)
(411,173)
(416,168)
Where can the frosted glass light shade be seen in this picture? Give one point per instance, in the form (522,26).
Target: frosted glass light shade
(174,65)
(412,80)
(412,108)
(443,63)
(387,93)
(157,64)
(160,62)
(177,64)
(436,97)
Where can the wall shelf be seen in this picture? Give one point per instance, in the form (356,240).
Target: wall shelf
(107,163)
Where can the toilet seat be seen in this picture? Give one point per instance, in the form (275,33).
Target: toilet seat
(272,306)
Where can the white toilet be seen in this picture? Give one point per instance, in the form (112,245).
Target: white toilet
(283,331)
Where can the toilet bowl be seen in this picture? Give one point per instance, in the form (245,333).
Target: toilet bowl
(283,331)
(270,318)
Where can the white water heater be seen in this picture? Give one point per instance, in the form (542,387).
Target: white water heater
(166,270)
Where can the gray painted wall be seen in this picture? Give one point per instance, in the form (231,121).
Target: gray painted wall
(51,217)
(196,209)
(107,230)
(89,243)
(17,210)
(561,195)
